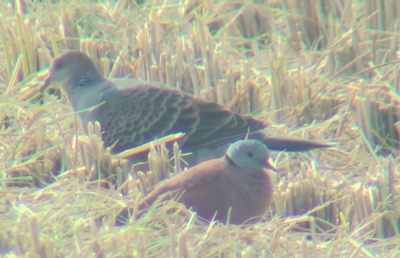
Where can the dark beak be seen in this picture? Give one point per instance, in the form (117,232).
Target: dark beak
(46,83)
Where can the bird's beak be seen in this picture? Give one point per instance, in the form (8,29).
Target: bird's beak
(46,83)
(270,165)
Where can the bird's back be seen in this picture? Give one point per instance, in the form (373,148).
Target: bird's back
(132,116)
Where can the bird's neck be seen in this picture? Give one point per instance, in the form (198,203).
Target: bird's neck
(86,91)
(80,80)
(230,161)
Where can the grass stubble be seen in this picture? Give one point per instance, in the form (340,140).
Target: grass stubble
(317,69)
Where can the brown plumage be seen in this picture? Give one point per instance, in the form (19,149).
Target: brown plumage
(133,112)
(233,189)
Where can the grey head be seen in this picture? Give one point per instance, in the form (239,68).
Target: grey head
(79,78)
(69,68)
(249,154)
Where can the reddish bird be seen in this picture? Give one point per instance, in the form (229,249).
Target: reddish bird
(233,189)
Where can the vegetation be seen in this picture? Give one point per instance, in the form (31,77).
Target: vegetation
(316,69)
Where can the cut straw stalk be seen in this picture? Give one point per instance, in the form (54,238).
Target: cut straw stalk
(378,123)
(146,147)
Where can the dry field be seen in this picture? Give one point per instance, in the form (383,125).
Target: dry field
(316,69)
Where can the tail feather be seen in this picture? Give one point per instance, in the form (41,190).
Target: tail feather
(279,143)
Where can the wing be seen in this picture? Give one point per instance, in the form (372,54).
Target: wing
(219,125)
(194,177)
(134,116)
(137,115)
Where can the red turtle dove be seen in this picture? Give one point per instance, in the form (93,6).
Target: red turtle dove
(235,188)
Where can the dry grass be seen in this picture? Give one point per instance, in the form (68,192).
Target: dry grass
(317,69)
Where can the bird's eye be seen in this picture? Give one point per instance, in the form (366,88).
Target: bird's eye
(58,64)
(250,154)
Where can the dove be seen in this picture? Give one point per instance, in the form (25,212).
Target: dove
(235,189)
(133,112)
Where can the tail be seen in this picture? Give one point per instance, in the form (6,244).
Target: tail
(279,143)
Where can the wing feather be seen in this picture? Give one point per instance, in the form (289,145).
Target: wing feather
(134,116)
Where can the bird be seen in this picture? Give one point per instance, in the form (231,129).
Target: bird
(234,189)
(132,112)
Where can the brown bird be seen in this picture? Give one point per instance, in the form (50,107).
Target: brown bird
(233,189)
(133,112)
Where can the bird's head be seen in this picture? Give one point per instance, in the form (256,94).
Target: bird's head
(70,70)
(251,154)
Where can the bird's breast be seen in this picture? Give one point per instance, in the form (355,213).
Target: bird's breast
(250,194)
(86,105)
(236,198)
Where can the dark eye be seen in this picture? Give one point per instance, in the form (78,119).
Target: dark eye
(250,154)
(58,64)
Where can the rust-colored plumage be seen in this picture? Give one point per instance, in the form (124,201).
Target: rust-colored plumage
(233,189)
